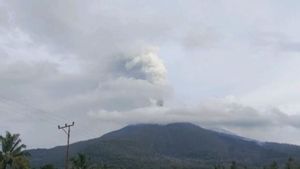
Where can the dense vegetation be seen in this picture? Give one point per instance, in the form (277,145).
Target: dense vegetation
(12,154)
(174,146)
(161,146)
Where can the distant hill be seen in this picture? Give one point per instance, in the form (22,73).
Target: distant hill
(165,146)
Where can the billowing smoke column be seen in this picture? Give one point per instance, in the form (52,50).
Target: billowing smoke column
(148,66)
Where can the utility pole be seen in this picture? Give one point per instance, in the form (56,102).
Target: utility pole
(68,127)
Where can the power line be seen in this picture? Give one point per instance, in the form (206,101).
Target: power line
(27,110)
(68,132)
(49,117)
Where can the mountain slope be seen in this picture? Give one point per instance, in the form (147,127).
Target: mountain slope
(177,144)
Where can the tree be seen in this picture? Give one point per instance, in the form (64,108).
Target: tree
(233,165)
(289,163)
(219,166)
(274,165)
(48,166)
(80,162)
(12,152)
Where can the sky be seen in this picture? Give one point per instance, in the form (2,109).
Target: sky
(104,64)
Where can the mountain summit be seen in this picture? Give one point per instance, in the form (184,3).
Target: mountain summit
(164,146)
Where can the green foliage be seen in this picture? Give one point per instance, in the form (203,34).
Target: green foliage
(219,166)
(233,165)
(48,166)
(80,162)
(180,145)
(12,153)
(274,165)
(289,164)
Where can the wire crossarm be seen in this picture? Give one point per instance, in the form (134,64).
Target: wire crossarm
(67,129)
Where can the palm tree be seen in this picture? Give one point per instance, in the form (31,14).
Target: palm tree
(80,162)
(12,152)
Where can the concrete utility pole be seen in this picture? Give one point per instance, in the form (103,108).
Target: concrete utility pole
(68,127)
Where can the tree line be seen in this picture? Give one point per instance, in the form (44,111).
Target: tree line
(14,156)
(290,164)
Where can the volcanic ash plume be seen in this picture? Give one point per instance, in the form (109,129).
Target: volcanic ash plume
(149,65)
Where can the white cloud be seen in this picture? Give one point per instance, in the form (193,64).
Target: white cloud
(110,63)
(240,119)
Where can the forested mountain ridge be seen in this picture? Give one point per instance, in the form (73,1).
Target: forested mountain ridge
(165,146)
